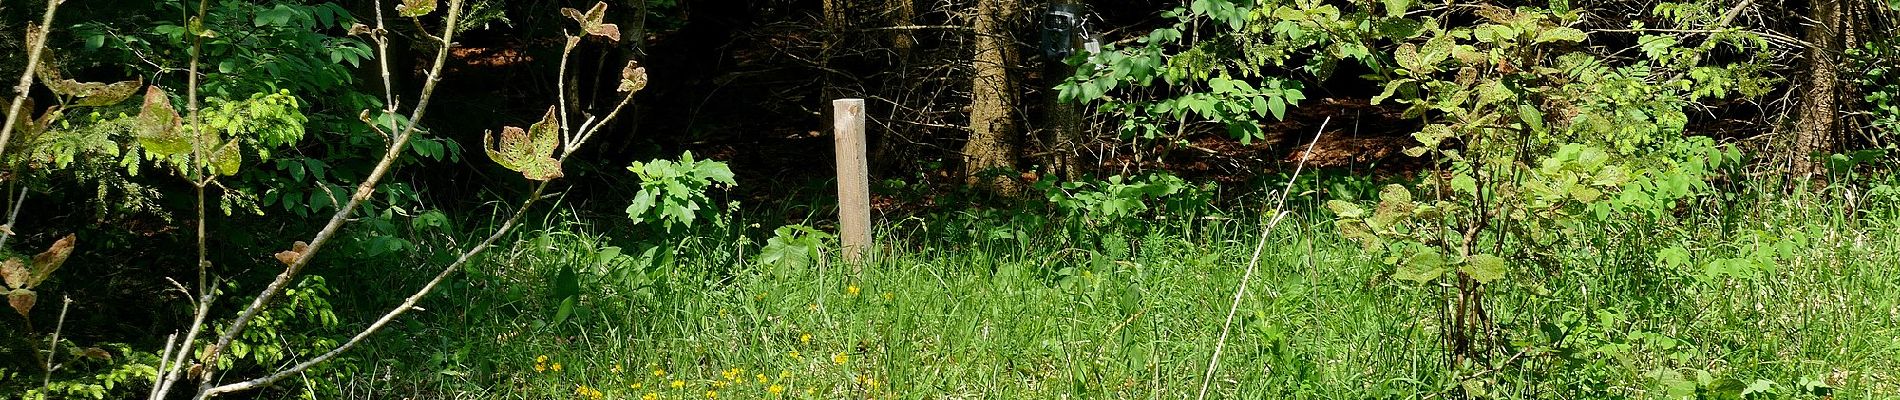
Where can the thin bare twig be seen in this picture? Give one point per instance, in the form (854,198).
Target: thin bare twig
(33,51)
(52,346)
(363,191)
(13,217)
(1279,213)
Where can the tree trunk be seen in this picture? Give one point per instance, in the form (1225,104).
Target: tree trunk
(1062,121)
(989,158)
(1818,120)
(901,13)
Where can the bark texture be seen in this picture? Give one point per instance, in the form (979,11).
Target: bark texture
(1062,121)
(989,157)
(1832,29)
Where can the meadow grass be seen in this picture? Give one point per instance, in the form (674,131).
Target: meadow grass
(946,308)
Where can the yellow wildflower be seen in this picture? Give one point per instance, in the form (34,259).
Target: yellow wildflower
(678,384)
(776,389)
(839,358)
(795,355)
(616,368)
(587,392)
(852,290)
(637,385)
(650,396)
(556,367)
(659,372)
(888,296)
(806,338)
(732,374)
(761,378)
(712,394)
(783,375)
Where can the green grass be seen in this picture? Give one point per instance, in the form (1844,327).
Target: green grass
(1134,312)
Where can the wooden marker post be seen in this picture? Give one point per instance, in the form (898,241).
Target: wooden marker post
(854,182)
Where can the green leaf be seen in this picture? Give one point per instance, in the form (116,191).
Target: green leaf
(227,159)
(1425,266)
(158,125)
(415,8)
(1345,209)
(1396,8)
(529,152)
(1433,135)
(1391,88)
(566,309)
(1762,386)
(1395,194)
(1532,118)
(1464,183)
(1561,34)
(1485,268)
(1408,58)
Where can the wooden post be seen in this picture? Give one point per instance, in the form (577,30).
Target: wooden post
(854,182)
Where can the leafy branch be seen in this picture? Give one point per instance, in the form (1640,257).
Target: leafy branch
(537,152)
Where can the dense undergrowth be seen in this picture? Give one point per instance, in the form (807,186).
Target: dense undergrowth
(1750,296)
(1567,233)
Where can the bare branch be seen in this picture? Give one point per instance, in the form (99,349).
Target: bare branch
(33,51)
(363,192)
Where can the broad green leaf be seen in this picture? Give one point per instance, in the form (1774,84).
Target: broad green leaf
(566,308)
(1464,183)
(1435,51)
(105,95)
(1494,92)
(415,8)
(1485,268)
(1425,266)
(1395,194)
(1396,8)
(1358,231)
(1493,33)
(1391,88)
(1762,386)
(1532,118)
(1561,34)
(1345,209)
(1408,58)
(529,152)
(227,159)
(158,125)
(1433,135)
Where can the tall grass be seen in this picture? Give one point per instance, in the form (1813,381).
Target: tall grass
(947,308)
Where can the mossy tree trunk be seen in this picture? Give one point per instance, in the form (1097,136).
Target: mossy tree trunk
(989,157)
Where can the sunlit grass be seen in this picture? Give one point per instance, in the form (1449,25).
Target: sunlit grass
(1133,315)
